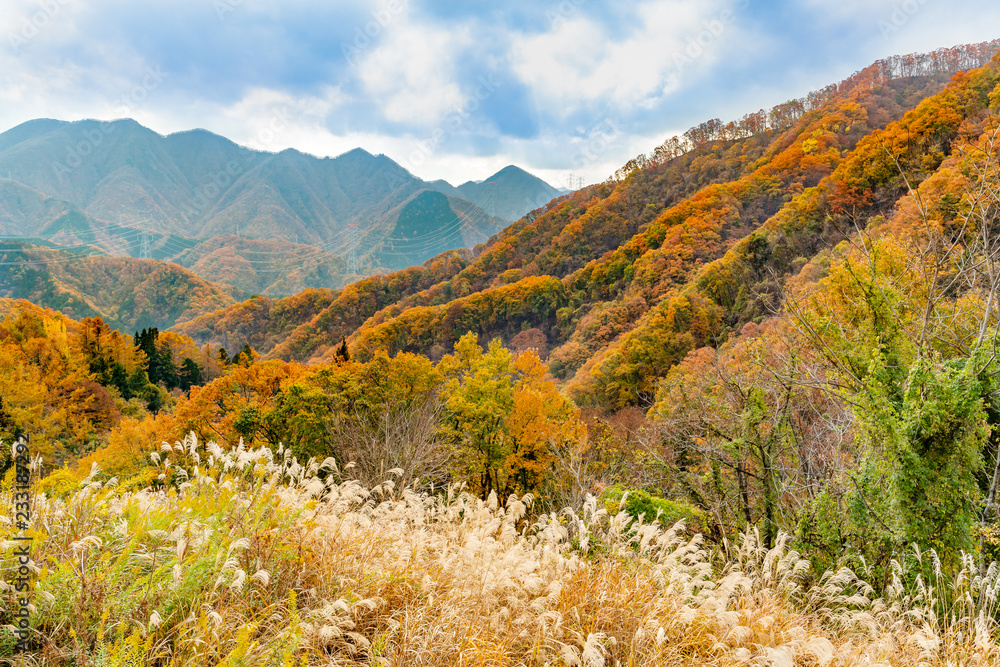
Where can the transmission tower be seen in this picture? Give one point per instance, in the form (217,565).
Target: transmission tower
(144,240)
(352,251)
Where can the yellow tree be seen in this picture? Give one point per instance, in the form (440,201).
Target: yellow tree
(46,390)
(504,418)
(234,406)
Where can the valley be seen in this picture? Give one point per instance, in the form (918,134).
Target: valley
(737,403)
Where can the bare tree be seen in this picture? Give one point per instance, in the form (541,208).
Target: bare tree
(400,439)
(752,433)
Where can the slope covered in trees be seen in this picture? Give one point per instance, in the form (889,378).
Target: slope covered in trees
(314,321)
(744,284)
(69,383)
(269,268)
(631,253)
(128,293)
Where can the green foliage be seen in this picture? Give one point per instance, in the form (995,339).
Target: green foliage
(343,354)
(923,448)
(189,374)
(480,395)
(244,356)
(159,363)
(640,503)
(504,419)
(934,441)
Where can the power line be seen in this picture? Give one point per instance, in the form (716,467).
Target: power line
(346,243)
(352,253)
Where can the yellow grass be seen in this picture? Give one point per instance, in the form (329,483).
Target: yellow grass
(252,559)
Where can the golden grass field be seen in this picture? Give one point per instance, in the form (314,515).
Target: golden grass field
(252,559)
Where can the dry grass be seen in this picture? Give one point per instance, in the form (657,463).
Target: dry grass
(252,559)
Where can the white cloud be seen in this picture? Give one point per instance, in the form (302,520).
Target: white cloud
(409,72)
(924,26)
(272,119)
(23,22)
(855,10)
(580,62)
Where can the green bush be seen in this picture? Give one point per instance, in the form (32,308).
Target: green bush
(667,512)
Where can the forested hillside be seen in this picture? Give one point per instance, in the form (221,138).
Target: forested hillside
(128,293)
(270,268)
(69,383)
(736,405)
(616,277)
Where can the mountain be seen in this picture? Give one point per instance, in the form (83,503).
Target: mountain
(684,248)
(128,293)
(510,193)
(271,268)
(148,195)
(26,212)
(426,225)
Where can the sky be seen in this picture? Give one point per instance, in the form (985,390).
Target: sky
(455,89)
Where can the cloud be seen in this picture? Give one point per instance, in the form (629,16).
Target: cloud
(467,86)
(624,71)
(264,116)
(410,73)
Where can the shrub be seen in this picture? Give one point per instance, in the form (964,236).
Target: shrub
(653,508)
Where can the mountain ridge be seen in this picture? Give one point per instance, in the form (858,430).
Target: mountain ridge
(607,271)
(133,192)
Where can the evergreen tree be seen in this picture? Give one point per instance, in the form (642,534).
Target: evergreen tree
(244,356)
(189,374)
(159,362)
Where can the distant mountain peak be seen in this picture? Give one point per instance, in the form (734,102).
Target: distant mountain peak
(509,170)
(510,193)
(356,153)
(39,123)
(200,132)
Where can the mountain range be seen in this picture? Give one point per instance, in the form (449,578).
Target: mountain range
(128,191)
(615,284)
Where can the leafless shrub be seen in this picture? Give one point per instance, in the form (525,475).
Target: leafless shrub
(401,437)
